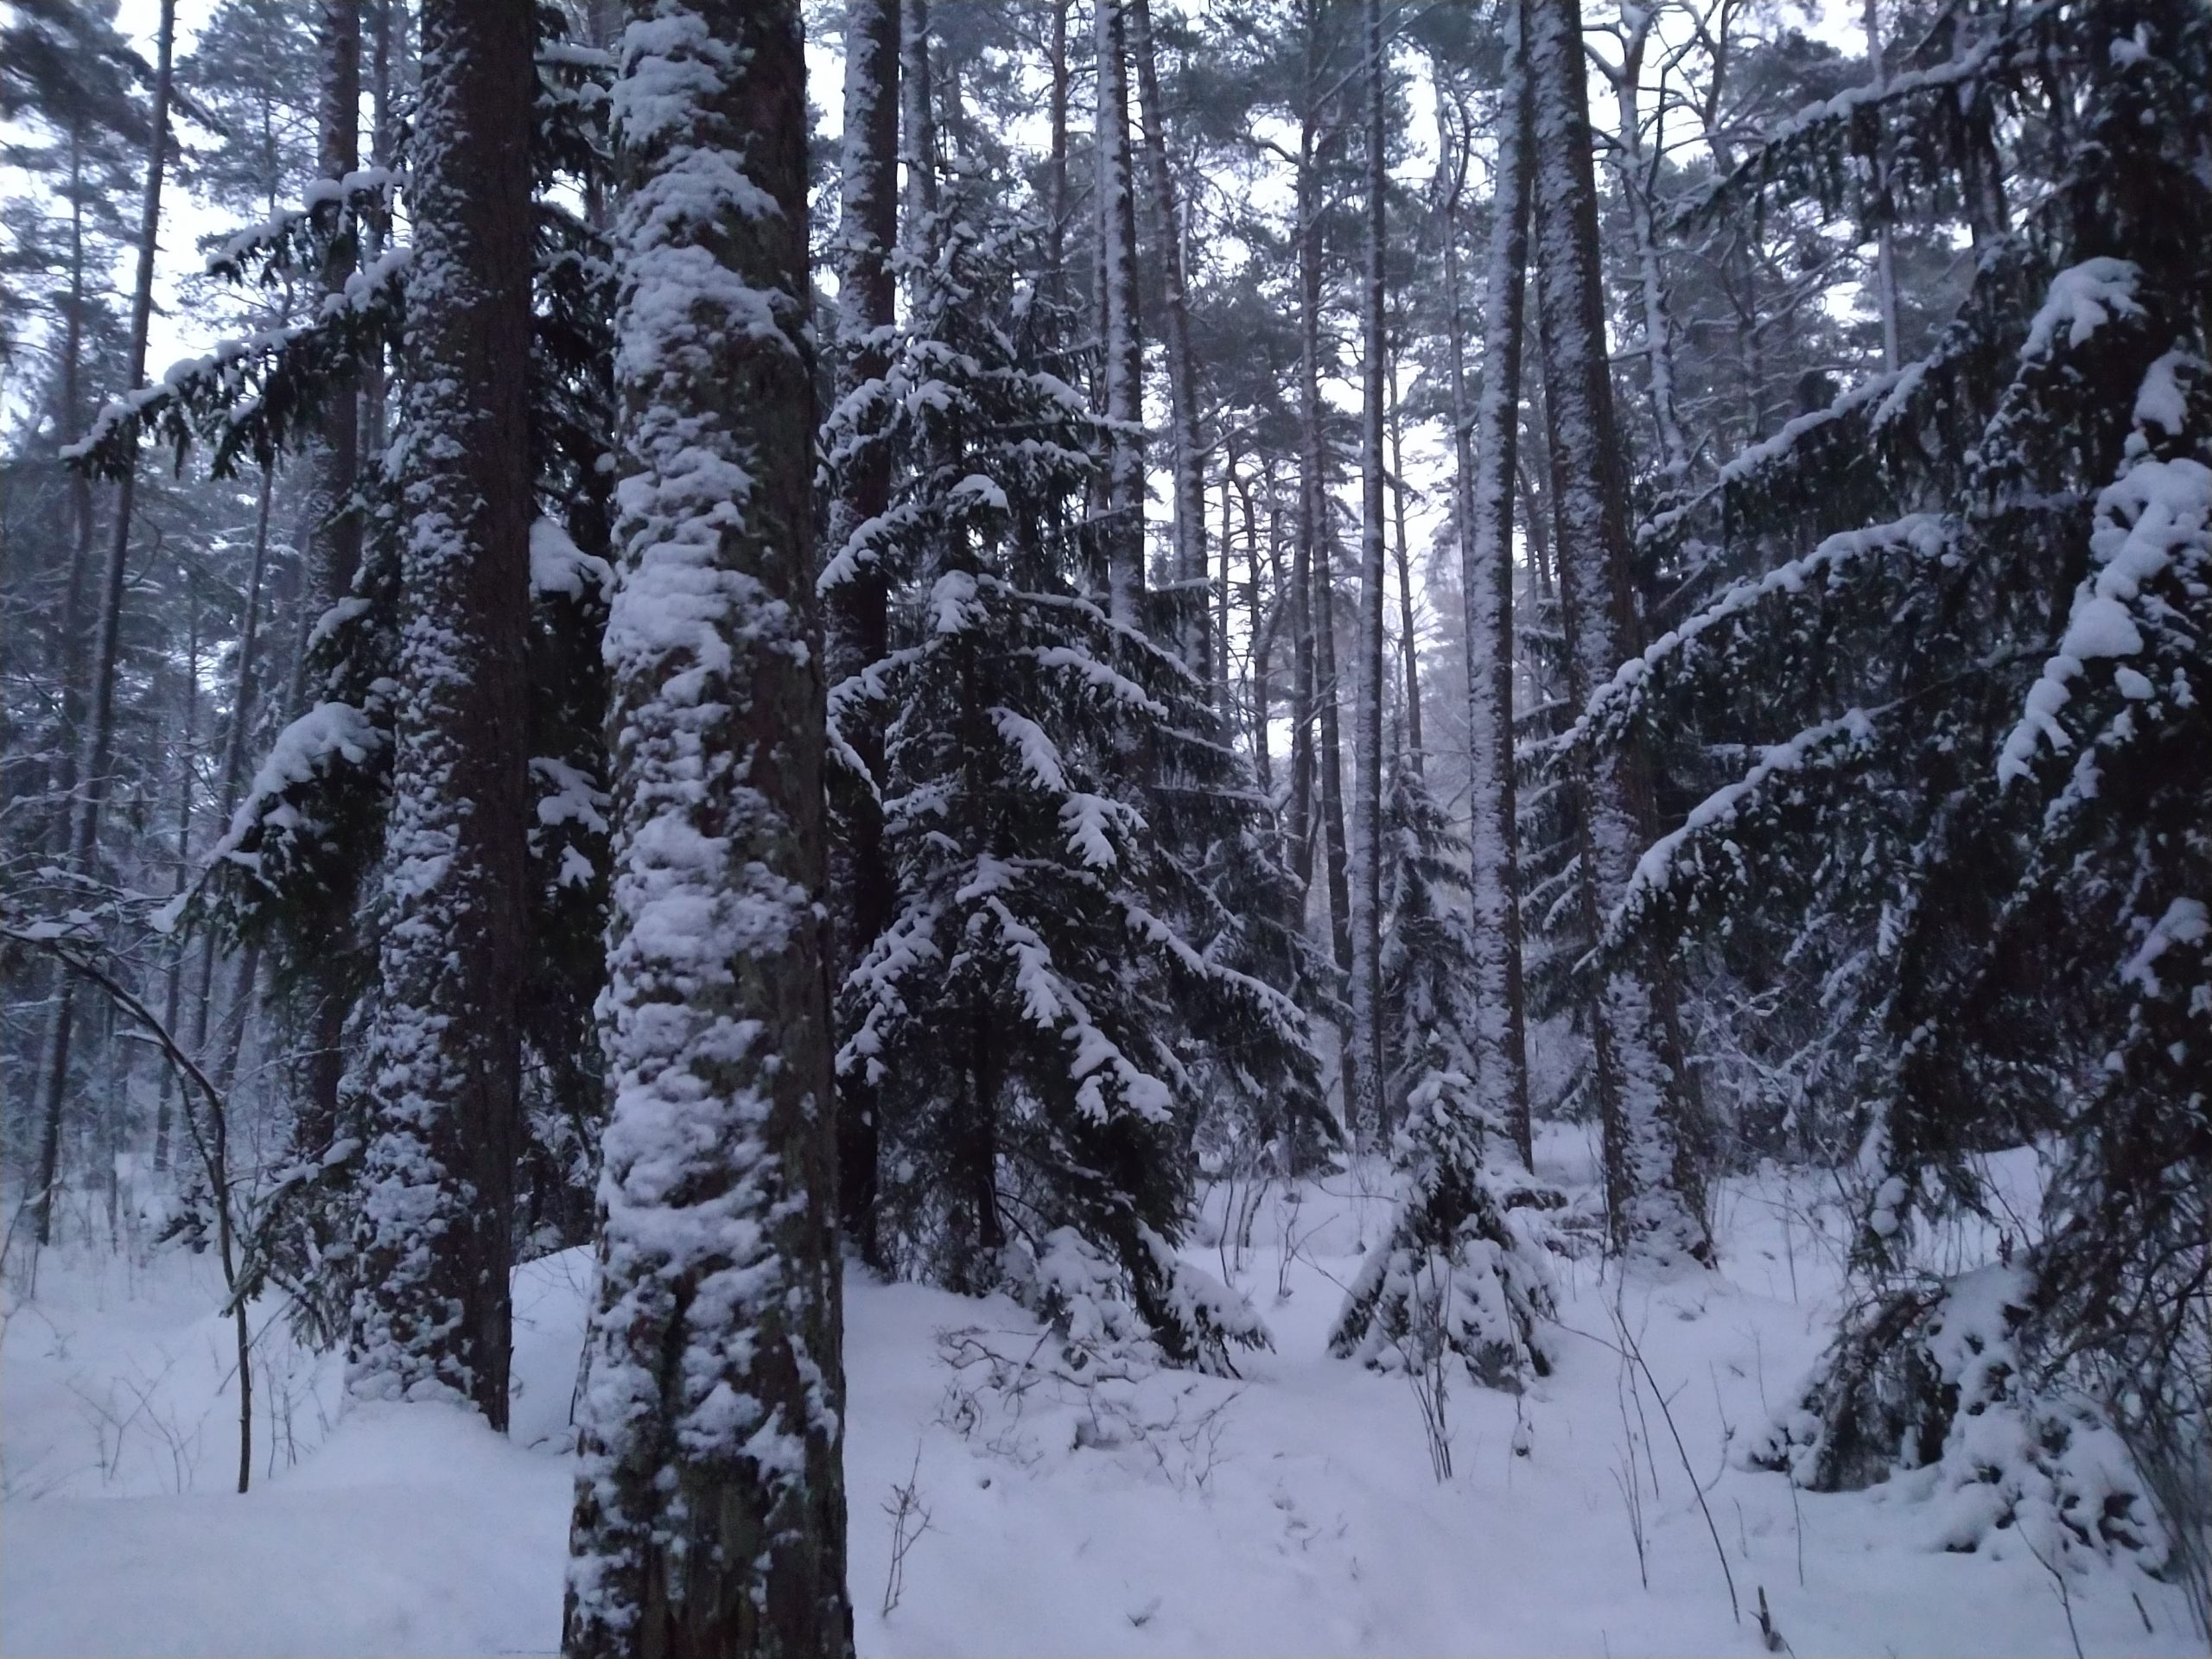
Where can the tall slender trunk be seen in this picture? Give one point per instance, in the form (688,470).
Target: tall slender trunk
(231,782)
(859,605)
(1056,167)
(100,735)
(1262,628)
(1220,654)
(1364,1091)
(1410,645)
(1654,1200)
(1121,531)
(1637,178)
(431,1313)
(918,121)
(1484,443)
(337,530)
(1186,453)
(173,993)
(710,1508)
(1316,533)
(1300,598)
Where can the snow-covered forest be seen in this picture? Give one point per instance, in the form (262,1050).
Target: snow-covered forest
(1034,827)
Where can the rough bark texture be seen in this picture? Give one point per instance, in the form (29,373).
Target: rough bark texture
(1484,441)
(1653,1202)
(1185,454)
(337,552)
(710,1511)
(431,1315)
(859,619)
(1364,1095)
(1121,527)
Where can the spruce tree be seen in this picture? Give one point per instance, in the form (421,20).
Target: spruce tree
(1457,1268)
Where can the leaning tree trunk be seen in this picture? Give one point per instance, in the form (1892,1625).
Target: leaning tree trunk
(860,613)
(1363,1092)
(1185,454)
(1121,534)
(1483,445)
(710,1511)
(431,1312)
(91,778)
(1653,1202)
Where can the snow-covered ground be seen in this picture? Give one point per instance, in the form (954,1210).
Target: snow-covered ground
(1293,1511)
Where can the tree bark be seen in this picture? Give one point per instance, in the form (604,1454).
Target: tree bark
(1409,642)
(1186,453)
(1121,530)
(710,1511)
(1654,1200)
(1364,1095)
(1484,443)
(860,616)
(431,1315)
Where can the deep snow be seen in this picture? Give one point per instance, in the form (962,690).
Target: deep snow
(1290,1511)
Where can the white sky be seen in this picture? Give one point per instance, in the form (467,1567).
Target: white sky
(179,331)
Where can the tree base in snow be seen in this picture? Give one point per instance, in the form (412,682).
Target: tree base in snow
(1456,1274)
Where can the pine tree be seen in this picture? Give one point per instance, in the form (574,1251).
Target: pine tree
(431,1312)
(710,1514)
(1485,457)
(1653,1185)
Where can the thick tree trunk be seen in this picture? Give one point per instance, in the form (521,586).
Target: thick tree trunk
(1485,442)
(1363,1094)
(1652,1189)
(860,620)
(710,1509)
(92,780)
(1186,453)
(1121,530)
(431,1315)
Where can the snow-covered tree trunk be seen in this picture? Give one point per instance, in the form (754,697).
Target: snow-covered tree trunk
(1652,1187)
(1319,588)
(1484,443)
(1302,609)
(710,1513)
(1364,1097)
(92,777)
(917,116)
(1637,175)
(1121,527)
(1263,628)
(337,530)
(1401,550)
(431,1312)
(859,625)
(1185,453)
(1056,164)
